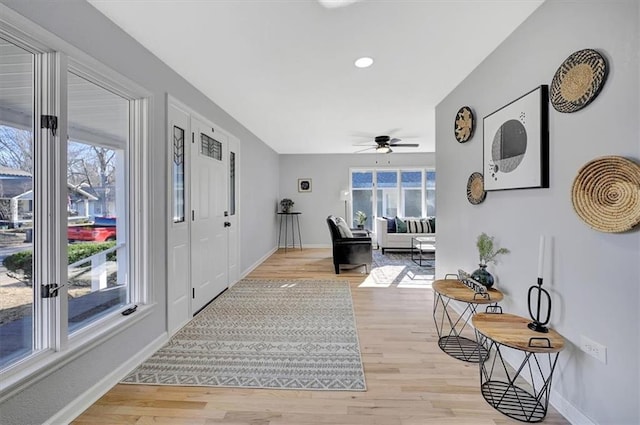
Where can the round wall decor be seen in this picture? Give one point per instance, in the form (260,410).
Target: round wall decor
(475,189)
(578,80)
(464,124)
(606,194)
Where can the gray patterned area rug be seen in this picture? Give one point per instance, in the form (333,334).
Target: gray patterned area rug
(398,269)
(285,334)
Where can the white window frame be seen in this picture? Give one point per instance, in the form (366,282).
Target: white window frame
(54,56)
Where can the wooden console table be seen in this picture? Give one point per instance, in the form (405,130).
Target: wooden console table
(523,393)
(454,336)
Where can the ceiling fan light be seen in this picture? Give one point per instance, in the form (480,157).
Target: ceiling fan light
(383,149)
(332,4)
(363,62)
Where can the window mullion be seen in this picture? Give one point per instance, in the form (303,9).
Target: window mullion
(400,194)
(50,192)
(374,190)
(41,310)
(137,235)
(423,192)
(59,204)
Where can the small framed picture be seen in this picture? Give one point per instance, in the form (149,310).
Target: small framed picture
(304,185)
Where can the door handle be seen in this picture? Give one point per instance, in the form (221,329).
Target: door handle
(227,224)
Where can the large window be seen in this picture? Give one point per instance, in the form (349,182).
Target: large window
(96,173)
(387,193)
(72,207)
(362,193)
(17,294)
(393,192)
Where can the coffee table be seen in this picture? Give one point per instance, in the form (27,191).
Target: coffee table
(421,245)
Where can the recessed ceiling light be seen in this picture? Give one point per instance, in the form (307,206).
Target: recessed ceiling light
(364,62)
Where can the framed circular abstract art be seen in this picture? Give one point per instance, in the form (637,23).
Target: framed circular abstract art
(578,80)
(606,194)
(475,189)
(464,124)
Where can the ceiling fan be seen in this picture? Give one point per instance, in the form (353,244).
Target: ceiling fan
(385,143)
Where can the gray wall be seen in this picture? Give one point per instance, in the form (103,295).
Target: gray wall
(330,174)
(594,277)
(81,25)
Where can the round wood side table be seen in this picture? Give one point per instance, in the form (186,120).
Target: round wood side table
(521,393)
(455,336)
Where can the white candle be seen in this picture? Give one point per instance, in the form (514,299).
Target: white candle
(541,257)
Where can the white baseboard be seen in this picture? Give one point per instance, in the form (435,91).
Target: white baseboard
(317,245)
(257,263)
(568,410)
(82,403)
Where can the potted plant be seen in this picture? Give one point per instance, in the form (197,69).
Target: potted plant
(487,252)
(361,218)
(286,205)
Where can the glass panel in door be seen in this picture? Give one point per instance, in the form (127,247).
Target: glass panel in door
(17,307)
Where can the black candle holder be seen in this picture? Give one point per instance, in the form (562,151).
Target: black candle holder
(538,324)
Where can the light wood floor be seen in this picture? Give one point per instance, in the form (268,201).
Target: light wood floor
(409,379)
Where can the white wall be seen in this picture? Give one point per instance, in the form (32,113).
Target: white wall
(594,277)
(81,25)
(330,174)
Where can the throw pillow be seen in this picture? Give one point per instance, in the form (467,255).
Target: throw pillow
(432,224)
(401,226)
(391,224)
(417,226)
(343,229)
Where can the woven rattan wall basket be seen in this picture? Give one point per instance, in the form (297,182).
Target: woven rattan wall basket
(475,189)
(606,194)
(578,80)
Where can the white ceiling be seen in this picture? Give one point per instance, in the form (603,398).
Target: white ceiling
(284,69)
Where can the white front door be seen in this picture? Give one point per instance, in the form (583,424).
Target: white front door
(209,243)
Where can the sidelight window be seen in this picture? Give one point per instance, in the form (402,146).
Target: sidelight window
(177,171)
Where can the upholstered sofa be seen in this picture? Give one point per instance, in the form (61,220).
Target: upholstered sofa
(388,237)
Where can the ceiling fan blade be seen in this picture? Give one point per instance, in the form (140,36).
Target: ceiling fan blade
(366,149)
(367,143)
(406,145)
(394,141)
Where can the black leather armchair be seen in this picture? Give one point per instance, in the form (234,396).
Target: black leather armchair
(346,250)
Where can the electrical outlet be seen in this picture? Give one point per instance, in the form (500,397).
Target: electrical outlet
(594,349)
